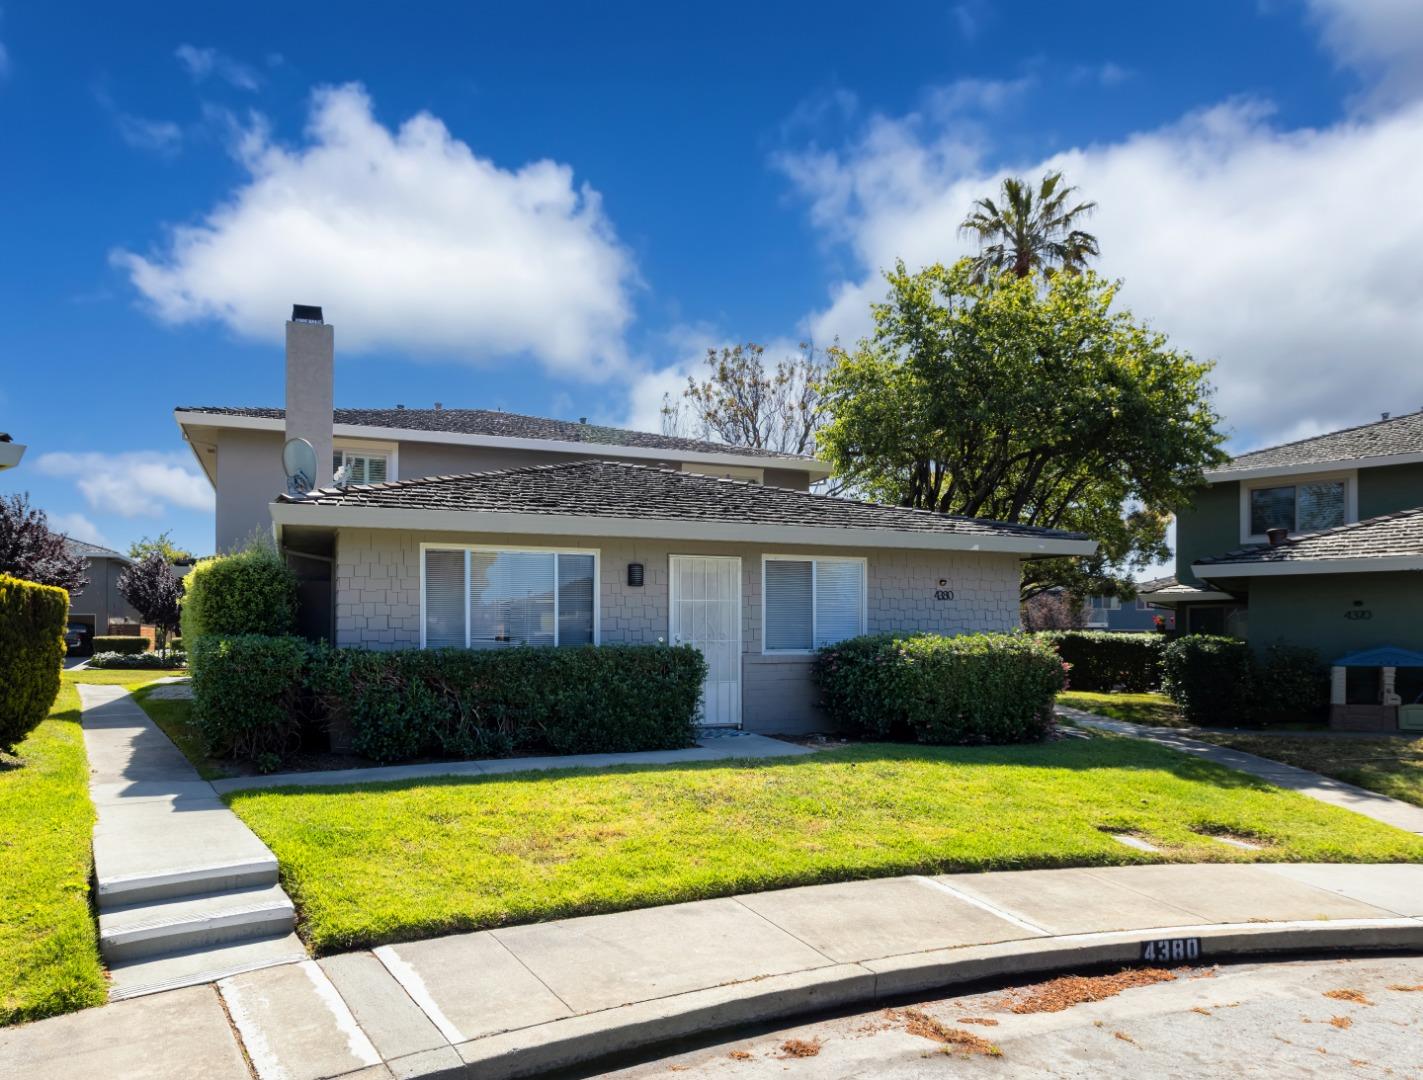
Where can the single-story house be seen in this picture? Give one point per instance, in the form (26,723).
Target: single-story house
(100,604)
(482,529)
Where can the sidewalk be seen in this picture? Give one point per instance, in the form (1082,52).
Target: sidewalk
(1371,804)
(521,1000)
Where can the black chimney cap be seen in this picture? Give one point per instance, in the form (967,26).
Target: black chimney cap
(306,313)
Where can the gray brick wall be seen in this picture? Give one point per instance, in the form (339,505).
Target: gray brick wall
(378,601)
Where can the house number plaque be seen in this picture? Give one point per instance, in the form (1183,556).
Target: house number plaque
(943,592)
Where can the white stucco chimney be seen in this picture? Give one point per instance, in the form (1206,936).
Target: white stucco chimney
(311,357)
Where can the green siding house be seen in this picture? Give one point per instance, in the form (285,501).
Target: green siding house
(1318,543)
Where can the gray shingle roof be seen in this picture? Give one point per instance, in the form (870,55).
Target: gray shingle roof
(509,426)
(611,489)
(1155,584)
(86,550)
(1399,533)
(1382,438)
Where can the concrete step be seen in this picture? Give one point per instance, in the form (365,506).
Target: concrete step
(185,882)
(191,967)
(140,930)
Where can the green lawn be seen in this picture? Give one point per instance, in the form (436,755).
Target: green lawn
(390,862)
(1390,766)
(49,952)
(1156,709)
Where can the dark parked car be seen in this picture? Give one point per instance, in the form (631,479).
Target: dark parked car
(78,638)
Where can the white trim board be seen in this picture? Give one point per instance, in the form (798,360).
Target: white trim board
(484,521)
(818,470)
(1219,476)
(1362,565)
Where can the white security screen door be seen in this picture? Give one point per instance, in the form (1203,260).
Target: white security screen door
(705,611)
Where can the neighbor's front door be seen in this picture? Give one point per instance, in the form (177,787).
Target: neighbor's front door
(705,611)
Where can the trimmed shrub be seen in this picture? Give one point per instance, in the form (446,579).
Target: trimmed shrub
(1103,661)
(976,688)
(469,704)
(144,661)
(32,622)
(1292,683)
(248,695)
(250,592)
(116,643)
(1211,678)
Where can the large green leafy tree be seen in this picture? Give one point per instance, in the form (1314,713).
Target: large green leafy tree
(1027,229)
(1025,401)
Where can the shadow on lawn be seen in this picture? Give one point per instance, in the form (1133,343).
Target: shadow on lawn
(1076,755)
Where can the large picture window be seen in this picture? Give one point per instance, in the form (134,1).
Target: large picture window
(483,598)
(810,603)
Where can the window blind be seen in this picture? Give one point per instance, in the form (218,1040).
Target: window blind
(575,599)
(790,618)
(839,590)
(510,598)
(444,599)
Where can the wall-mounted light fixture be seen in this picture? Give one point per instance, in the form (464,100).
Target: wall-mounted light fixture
(635,574)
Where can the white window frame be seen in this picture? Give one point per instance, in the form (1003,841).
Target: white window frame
(1351,498)
(814,597)
(390,451)
(469,549)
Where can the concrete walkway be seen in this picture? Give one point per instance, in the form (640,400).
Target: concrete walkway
(709,748)
(186,892)
(1395,812)
(522,1000)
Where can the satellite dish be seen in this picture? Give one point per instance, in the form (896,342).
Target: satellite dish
(299,461)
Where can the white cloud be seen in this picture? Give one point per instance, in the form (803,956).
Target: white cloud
(1290,256)
(410,241)
(161,136)
(1381,40)
(136,483)
(203,64)
(1108,74)
(78,527)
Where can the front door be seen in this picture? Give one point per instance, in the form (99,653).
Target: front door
(705,611)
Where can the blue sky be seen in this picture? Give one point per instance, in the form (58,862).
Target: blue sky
(556,209)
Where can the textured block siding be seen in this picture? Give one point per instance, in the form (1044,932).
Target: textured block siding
(378,601)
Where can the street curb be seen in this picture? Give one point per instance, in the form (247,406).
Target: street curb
(579,1040)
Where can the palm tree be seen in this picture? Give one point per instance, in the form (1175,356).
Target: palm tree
(1030,230)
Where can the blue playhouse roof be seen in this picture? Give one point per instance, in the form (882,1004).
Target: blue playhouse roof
(1384,656)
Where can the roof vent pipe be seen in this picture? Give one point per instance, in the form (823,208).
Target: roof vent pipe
(1384,417)
(438,406)
(1277,536)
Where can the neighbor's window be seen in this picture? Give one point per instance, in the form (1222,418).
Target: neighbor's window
(493,599)
(812,602)
(363,466)
(1304,507)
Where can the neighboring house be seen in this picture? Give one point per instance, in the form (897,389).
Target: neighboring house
(1138,615)
(484,529)
(1317,542)
(99,603)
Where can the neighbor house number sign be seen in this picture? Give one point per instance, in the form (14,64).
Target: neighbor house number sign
(943,592)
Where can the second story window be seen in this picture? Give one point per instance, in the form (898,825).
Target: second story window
(1301,507)
(362,466)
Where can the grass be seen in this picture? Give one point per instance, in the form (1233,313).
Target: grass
(175,717)
(48,942)
(47,938)
(1152,709)
(1391,766)
(390,862)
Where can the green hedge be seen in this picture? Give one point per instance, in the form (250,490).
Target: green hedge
(32,623)
(250,592)
(1103,661)
(248,694)
(255,696)
(1212,679)
(119,643)
(144,661)
(1291,683)
(977,688)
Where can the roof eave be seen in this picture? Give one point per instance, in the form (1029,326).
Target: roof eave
(817,469)
(485,521)
(1359,565)
(1216,476)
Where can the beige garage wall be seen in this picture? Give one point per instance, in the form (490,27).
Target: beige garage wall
(378,601)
